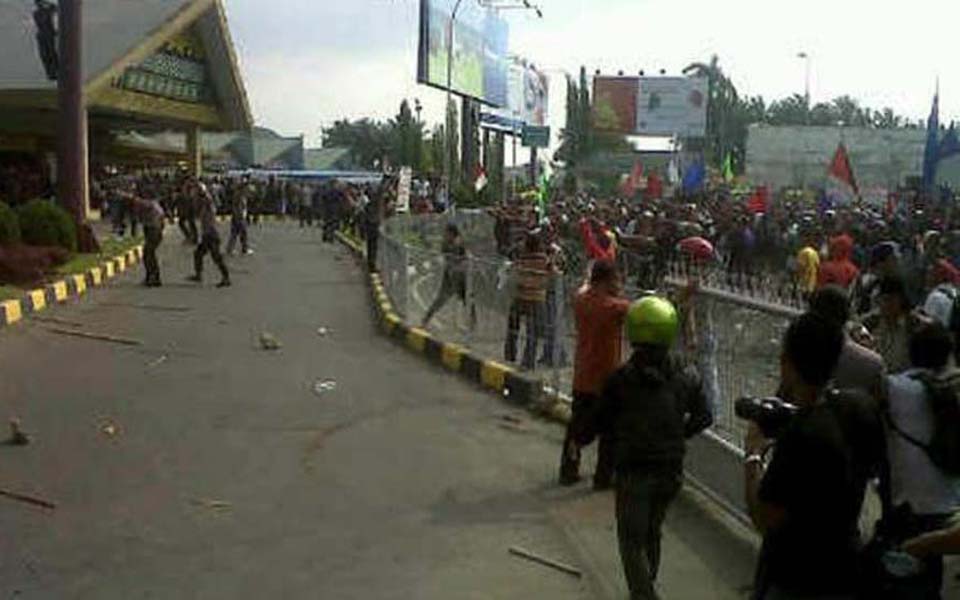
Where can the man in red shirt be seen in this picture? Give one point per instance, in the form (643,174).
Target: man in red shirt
(839,269)
(600,313)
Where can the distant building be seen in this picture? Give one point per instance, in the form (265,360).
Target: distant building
(335,158)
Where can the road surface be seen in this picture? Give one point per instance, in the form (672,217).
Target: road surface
(198,465)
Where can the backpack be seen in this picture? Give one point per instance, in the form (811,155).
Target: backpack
(944,446)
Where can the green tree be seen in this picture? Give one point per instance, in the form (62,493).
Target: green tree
(724,116)
(367,140)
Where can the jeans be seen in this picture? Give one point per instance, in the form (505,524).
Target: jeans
(641,507)
(373,238)
(530,315)
(453,284)
(238,229)
(153,236)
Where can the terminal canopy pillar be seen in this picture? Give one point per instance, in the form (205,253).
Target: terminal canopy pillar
(194,151)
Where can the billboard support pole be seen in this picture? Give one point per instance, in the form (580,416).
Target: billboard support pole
(446,138)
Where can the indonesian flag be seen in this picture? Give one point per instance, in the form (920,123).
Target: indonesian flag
(481,181)
(840,168)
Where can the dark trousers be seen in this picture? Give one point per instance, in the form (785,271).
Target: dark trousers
(238,229)
(152,238)
(582,409)
(306,215)
(210,242)
(330,226)
(643,498)
(551,345)
(373,239)
(188,226)
(530,315)
(453,284)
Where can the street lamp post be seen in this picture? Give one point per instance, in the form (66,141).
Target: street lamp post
(446,111)
(806,87)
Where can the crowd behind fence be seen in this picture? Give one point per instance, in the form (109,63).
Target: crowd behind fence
(741,318)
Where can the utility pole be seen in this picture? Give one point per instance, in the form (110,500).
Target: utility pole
(449,126)
(71,150)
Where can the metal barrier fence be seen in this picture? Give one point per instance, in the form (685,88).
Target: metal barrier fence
(736,343)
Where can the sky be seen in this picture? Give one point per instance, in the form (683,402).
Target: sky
(308,63)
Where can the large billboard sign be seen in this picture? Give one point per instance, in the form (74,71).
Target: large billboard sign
(672,106)
(654,106)
(528,97)
(480,44)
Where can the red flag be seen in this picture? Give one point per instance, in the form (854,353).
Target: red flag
(840,168)
(759,200)
(630,185)
(654,187)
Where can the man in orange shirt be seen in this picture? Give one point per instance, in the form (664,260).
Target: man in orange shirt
(600,313)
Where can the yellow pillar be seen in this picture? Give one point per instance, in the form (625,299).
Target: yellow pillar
(194,151)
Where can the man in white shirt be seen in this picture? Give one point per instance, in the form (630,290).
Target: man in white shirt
(922,495)
(943,278)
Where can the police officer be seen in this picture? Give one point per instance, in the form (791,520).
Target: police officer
(649,407)
(210,240)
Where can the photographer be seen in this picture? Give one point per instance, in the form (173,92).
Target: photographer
(807,501)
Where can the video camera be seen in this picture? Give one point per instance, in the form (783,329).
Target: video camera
(772,415)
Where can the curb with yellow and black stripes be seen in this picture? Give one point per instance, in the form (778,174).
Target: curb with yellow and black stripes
(69,288)
(501,379)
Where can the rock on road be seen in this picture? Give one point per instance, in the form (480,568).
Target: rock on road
(199,465)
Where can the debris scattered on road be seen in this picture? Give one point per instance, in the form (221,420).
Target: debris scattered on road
(28,499)
(211,503)
(514,428)
(269,342)
(95,336)
(511,418)
(17,435)
(547,562)
(159,361)
(323,331)
(109,427)
(324,385)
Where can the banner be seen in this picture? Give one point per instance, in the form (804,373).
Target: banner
(403,189)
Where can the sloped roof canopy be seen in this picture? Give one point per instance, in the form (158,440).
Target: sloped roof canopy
(120,34)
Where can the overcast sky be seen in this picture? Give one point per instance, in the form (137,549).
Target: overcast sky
(310,62)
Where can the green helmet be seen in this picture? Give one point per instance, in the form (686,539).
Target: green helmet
(652,320)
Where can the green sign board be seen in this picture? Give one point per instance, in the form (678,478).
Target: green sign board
(535,137)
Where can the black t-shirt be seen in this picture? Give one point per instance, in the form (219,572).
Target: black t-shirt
(818,475)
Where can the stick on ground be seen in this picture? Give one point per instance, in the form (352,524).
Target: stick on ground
(559,566)
(95,336)
(28,499)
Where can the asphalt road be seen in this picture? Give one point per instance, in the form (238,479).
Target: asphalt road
(198,465)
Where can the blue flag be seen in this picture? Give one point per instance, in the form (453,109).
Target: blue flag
(932,151)
(949,145)
(693,178)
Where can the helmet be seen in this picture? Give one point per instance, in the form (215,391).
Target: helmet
(652,320)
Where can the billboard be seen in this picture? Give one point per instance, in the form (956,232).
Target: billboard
(527,99)
(655,106)
(615,103)
(672,106)
(479,65)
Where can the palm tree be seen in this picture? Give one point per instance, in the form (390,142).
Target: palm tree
(721,108)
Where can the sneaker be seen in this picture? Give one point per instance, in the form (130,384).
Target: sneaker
(195,278)
(248,251)
(224,283)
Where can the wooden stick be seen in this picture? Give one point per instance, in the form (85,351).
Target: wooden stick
(95,336)
(559,566)
(28,499)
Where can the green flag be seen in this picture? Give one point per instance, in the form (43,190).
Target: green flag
(543,194)
(727,168)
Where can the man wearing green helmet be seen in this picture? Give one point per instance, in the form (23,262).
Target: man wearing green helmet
(649,407)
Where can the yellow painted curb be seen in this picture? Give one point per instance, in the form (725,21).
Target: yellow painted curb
(391,322)
(81,282)
(494,375)
(96,275)
(121,264)
(417,339)
(12,311)
(38,298)
(453,356)
(60,290)
(108,268)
